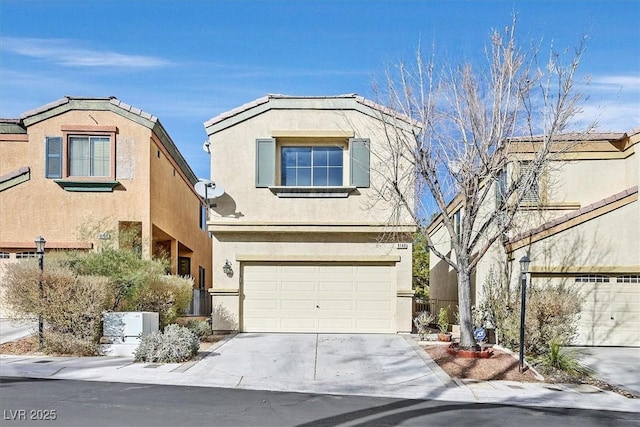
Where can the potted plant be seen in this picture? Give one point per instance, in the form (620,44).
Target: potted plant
(443,325)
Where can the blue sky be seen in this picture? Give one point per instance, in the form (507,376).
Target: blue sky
(187,61)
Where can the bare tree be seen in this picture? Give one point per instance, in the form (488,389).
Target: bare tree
(468,117)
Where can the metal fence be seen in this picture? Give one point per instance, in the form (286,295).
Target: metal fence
(200,303)
(434,306)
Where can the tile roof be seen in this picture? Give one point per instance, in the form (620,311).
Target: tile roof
(577,213)
(265,99)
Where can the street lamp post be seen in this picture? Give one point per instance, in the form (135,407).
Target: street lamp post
(40,242)
(524,268)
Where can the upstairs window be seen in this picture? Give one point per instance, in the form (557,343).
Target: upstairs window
(311,166)
(89,155)
(290,162)
(531,188)
(81,151)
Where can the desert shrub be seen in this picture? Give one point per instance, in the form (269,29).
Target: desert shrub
(563,359)
(71,306)
(126,270)
(176,344)
(169,296)
(422,322)
(552,313)
(201,328)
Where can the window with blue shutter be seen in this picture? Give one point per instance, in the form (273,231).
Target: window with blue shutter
(359,155)
(265,162)
(53,166)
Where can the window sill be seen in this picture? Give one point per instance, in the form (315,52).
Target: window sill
(312,192)
(105,186)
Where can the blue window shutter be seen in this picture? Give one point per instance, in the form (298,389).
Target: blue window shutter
(265,162)
(359,155)
(54,157)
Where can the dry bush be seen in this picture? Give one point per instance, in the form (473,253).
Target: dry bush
(552,314)
(71,305)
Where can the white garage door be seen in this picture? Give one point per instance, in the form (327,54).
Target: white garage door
(318,298)
(611,311)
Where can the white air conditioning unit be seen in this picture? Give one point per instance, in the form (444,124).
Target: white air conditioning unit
(125,327)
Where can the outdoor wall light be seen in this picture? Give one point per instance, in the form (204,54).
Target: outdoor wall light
(40,242)
(226,268)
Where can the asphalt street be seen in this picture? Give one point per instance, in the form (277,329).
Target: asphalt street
(81,403)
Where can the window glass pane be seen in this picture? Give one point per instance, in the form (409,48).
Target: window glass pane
(289,176)
(320,156)
(320,176)
(335,176)
(288,156)
(100,156)
(335,156)
(304,176)
(304,156)
(79,150)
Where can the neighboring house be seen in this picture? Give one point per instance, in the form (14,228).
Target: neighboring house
(100,164)
(580,226)
(301,227)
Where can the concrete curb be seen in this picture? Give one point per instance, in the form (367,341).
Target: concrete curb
(440,373)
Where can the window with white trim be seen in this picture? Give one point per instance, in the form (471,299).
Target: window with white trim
(531,188)
(631,278)
(89,155)
(315,166)
(592,278)
(4,255)
(25,255)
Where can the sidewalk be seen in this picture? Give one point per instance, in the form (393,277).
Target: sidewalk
(207,372)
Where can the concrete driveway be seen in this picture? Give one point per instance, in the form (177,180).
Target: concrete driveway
(373,364)
(11,330)
(615,365)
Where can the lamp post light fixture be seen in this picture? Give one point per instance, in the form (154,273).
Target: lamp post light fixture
(40,242)
(226,268)
(524,269)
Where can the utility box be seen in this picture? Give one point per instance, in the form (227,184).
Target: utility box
(125,327)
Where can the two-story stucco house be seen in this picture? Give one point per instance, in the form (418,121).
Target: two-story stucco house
(580,226)
(298,234)
(83,162)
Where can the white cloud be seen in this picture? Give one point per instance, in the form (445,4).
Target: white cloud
(66,53)
(627,83)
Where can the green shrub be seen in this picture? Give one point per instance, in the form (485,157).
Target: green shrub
(443,320)
(201,328)
(176,344)
(169,296)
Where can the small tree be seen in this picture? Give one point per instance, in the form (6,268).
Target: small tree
(467,115)
(421,266)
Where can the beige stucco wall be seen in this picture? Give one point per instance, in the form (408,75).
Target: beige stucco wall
(253,223)
(153,191)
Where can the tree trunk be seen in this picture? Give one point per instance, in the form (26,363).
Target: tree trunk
(467,340)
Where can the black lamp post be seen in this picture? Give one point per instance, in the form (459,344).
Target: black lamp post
(524,268)
(40,242)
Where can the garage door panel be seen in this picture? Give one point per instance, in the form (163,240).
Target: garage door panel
(299,304)
(319,298)
(332,287)
(610,314)
(331,305)
(298,286)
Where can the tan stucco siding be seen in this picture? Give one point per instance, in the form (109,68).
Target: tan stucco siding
(175,209)
(40,206)
(233,157)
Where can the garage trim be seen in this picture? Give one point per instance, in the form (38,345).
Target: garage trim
(318,258)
